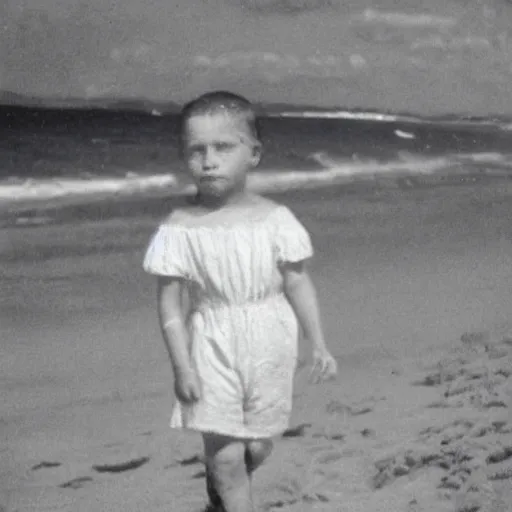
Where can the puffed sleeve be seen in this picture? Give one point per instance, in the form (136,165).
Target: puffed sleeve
(167,253)
(293,243)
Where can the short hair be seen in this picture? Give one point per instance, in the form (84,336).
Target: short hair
(216,102)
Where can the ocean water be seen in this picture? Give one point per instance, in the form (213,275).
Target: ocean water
(37,144)
(52,157)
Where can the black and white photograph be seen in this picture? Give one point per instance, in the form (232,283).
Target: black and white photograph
(255,256)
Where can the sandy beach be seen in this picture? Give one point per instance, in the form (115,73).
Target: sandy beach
(415,288)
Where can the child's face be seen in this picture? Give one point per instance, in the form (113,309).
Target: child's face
(219,150)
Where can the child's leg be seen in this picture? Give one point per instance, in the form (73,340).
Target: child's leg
(225,459)
(213,495)
(257,451)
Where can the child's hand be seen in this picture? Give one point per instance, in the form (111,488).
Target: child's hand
(324,366)
(187,387)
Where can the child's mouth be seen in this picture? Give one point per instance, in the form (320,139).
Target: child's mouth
(210,179)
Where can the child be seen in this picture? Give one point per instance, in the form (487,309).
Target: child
(231,286)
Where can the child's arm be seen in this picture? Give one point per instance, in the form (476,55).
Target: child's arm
(172,312)
(301,294)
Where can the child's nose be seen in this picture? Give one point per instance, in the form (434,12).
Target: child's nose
(209,159)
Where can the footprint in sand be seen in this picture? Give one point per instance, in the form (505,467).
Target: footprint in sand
(475,340)
(334,407)
(368,432)
(504,473)
(328,457)
(479,381)
(500,462)
(297,431)
(305,498)
(500,455)
(329,437)
(295,497)
(76,483)
(302,429)
(46,464)
(453,461)
(191,461)
(441,375)
(121,466)
(494,427)
(337,407)
(472,451)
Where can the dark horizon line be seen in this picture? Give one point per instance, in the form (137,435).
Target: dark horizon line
(139,105)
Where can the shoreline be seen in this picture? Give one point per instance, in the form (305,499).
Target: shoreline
(35,198)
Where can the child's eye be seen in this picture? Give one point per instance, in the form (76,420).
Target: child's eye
(195,150)
(224,146)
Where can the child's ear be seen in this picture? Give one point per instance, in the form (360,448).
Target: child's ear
(256,154)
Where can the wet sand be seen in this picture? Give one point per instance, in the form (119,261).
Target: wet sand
(416,295)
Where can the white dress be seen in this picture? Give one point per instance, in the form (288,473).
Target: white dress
(243,330)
